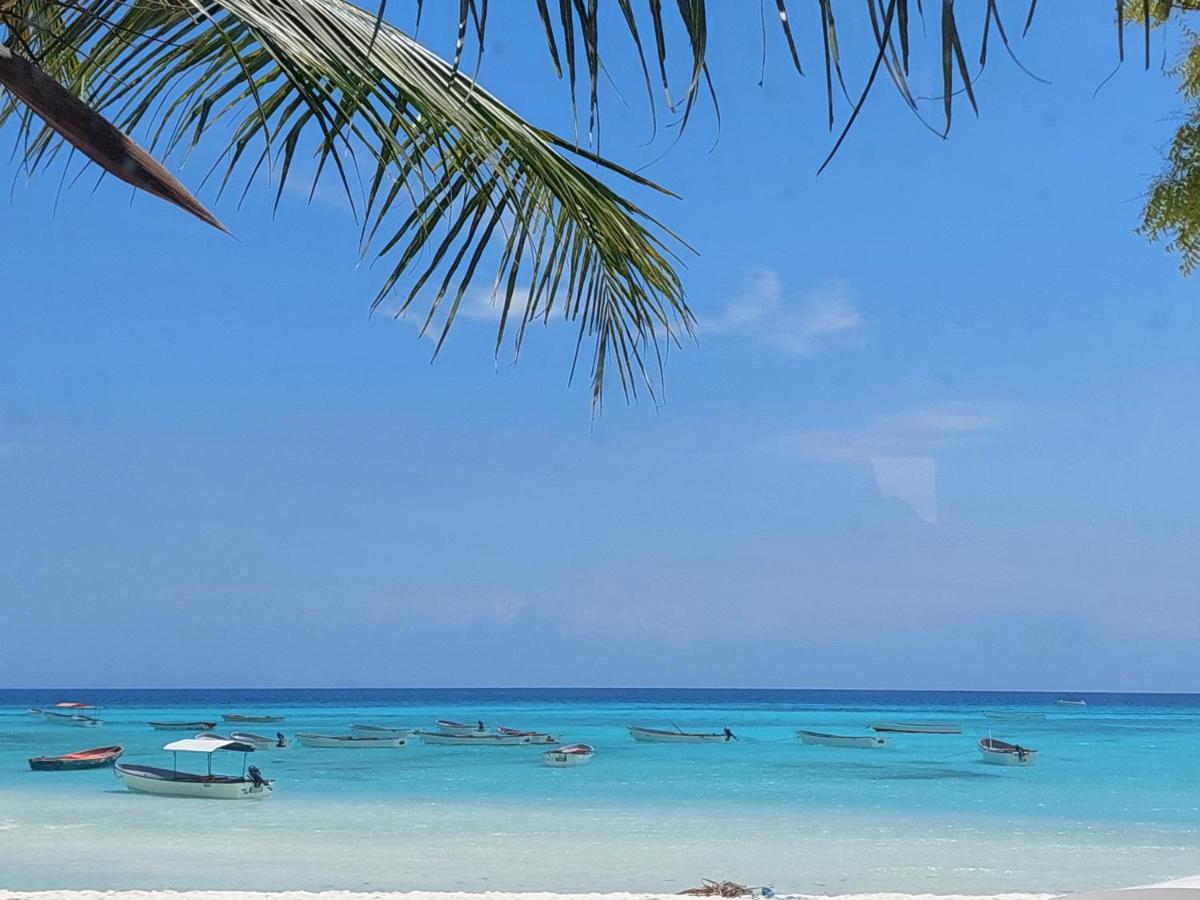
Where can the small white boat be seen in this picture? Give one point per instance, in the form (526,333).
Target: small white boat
(1002,753)
(382,731)
(858,741)
(260,742)
(351,741)
(449,726)
(535,737)
(659,736)
(1015,716)
(476,739)
(172,783)
(570,755)
(918,727)
(183,726)
(241,717)
(1070,701)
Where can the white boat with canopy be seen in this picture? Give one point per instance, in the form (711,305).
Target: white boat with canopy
(1002,753)
(350,741)
(382,731)
(449,726)
(250,785)
(569,755)
(919,727)
(261,742)
(476,739)
(678,736)
(77,714)
(857,741)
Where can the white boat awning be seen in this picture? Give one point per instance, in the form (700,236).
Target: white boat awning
(205,745)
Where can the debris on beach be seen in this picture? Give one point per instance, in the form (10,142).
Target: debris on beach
(710,888)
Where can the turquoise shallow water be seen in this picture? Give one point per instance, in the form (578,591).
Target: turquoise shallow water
(1115,799)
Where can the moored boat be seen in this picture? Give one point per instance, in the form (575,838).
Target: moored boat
(251,785)
(242,717)
(79,720)
(94,758)
(382,731)
(350,741)
(1015,716)
(1002,753)
(1070,701)
(260,742)
(183,726)
(857,741)
(437,738)
(660,736)
(918,727)
(449,726)
(535,737)
(569,755)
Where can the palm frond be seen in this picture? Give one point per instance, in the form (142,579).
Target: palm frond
(452,176)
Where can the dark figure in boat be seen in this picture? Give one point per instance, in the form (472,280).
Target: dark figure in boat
(729,735)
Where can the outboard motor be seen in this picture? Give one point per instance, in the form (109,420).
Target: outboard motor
(729,735)
(257,779)
(479,726)
(280,739)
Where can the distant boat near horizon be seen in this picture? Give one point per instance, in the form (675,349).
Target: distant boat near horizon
(79,720)
(856,741)
(918,727)
(486,739)
(568,756)
(1015,716)
(183,726)
(261,742)
(350,741)
(242,717)
(535,737)
(95,758)
(678,736)
(1002,753)
(1070,701)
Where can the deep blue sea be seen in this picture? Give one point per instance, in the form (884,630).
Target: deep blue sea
(1114,799)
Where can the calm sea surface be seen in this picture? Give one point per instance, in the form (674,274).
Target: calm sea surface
(1114,800)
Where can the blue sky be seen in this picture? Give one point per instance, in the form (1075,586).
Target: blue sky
(939,429)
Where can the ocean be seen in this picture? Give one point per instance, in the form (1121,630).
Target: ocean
(1113,801)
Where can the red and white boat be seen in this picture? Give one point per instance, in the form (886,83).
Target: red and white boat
(95,758)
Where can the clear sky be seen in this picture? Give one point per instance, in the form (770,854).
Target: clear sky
(940,429)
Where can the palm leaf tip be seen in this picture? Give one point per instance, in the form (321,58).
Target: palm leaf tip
(94,136)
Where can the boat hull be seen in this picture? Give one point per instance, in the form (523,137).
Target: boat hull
(1070,703)
(445,726)
(350,742)
(145,780)
(439,739)
(917,727)
(183,726)
(99,758)
(535,737)
(1015,716)
(655,736)
(1011,755)
(857,741)
(239,717)
(259,741)
(75,720)
(568,757)
(380,731)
